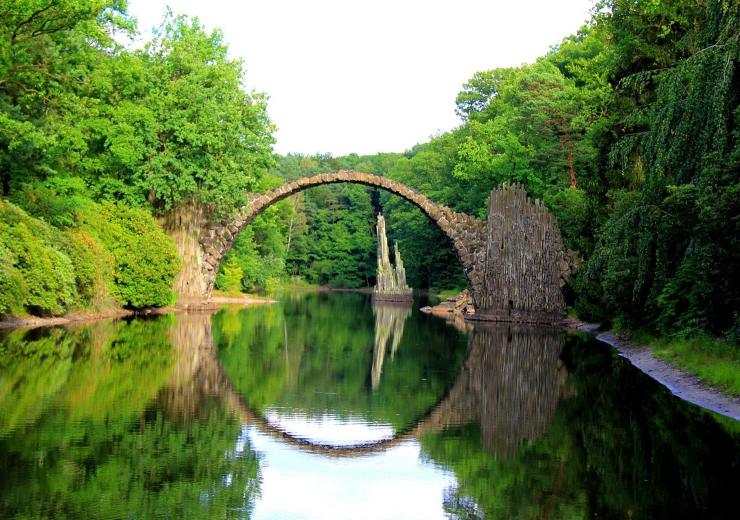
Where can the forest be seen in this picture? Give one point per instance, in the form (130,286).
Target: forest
(626,130)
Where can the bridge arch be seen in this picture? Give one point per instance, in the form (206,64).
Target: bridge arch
(515,262)
(466,233)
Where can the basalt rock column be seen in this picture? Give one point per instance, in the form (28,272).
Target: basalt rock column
(184,225)
(525,262)
(391,281)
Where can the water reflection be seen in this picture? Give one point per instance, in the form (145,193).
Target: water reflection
(510,384)
(336,355)
(390,319)
(90,428)
(562,428)
(324,407)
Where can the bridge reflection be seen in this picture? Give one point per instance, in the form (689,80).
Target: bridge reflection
(510,384)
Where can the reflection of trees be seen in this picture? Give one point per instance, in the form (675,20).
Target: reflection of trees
(390,319)
(96,443)
(94,370)
(324,363)
(615,445)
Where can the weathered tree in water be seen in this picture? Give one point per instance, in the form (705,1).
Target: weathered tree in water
(391,280)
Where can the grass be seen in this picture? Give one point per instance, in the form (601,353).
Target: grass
(296,283)
(728,424)
(443,294)
(714,361)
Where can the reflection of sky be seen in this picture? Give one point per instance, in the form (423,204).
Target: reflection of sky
(297,485)
(328,428)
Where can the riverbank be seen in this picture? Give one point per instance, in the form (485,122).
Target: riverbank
(680,382)
(654,357)
(216,301)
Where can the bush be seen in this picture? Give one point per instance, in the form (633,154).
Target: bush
(36,276)
(229,279)
(11,282)
(261,265)
(55,200)
(94,267)
(145,259)
(103,253)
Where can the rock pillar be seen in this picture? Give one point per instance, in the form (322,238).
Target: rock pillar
(390,283)
(524,258)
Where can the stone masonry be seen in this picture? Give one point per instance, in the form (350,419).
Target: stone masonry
(519,245)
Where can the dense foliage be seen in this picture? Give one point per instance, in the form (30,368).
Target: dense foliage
(137,130)
(626,130)
(668,251)
(81,254)
(165,124)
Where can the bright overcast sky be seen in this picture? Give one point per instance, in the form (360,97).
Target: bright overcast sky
(369,76)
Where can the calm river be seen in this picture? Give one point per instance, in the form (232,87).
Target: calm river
(325,406)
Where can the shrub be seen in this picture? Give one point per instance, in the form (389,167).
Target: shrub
(37,276)
(55,200)
(93,265)
(145,259)
(261,270)
(229,279)
(117,251)
(11,283)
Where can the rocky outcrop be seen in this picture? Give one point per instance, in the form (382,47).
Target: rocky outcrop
(458,305)
(525,261)
(391,280)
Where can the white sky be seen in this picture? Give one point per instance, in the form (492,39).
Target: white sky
(368,76)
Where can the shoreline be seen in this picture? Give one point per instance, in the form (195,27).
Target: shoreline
(81,317)
(680,383)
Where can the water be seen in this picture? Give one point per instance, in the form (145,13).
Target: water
(325,407)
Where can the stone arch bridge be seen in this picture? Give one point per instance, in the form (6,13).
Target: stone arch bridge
(514,261)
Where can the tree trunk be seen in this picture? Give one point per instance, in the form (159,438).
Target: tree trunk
(184,224)
(567,143)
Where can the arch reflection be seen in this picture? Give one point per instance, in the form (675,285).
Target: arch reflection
(509,384)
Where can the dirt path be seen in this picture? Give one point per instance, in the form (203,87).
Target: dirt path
(680,383)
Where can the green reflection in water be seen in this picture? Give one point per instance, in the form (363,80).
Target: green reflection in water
(92,426)
(137,419)
(334,354)
(604,442)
